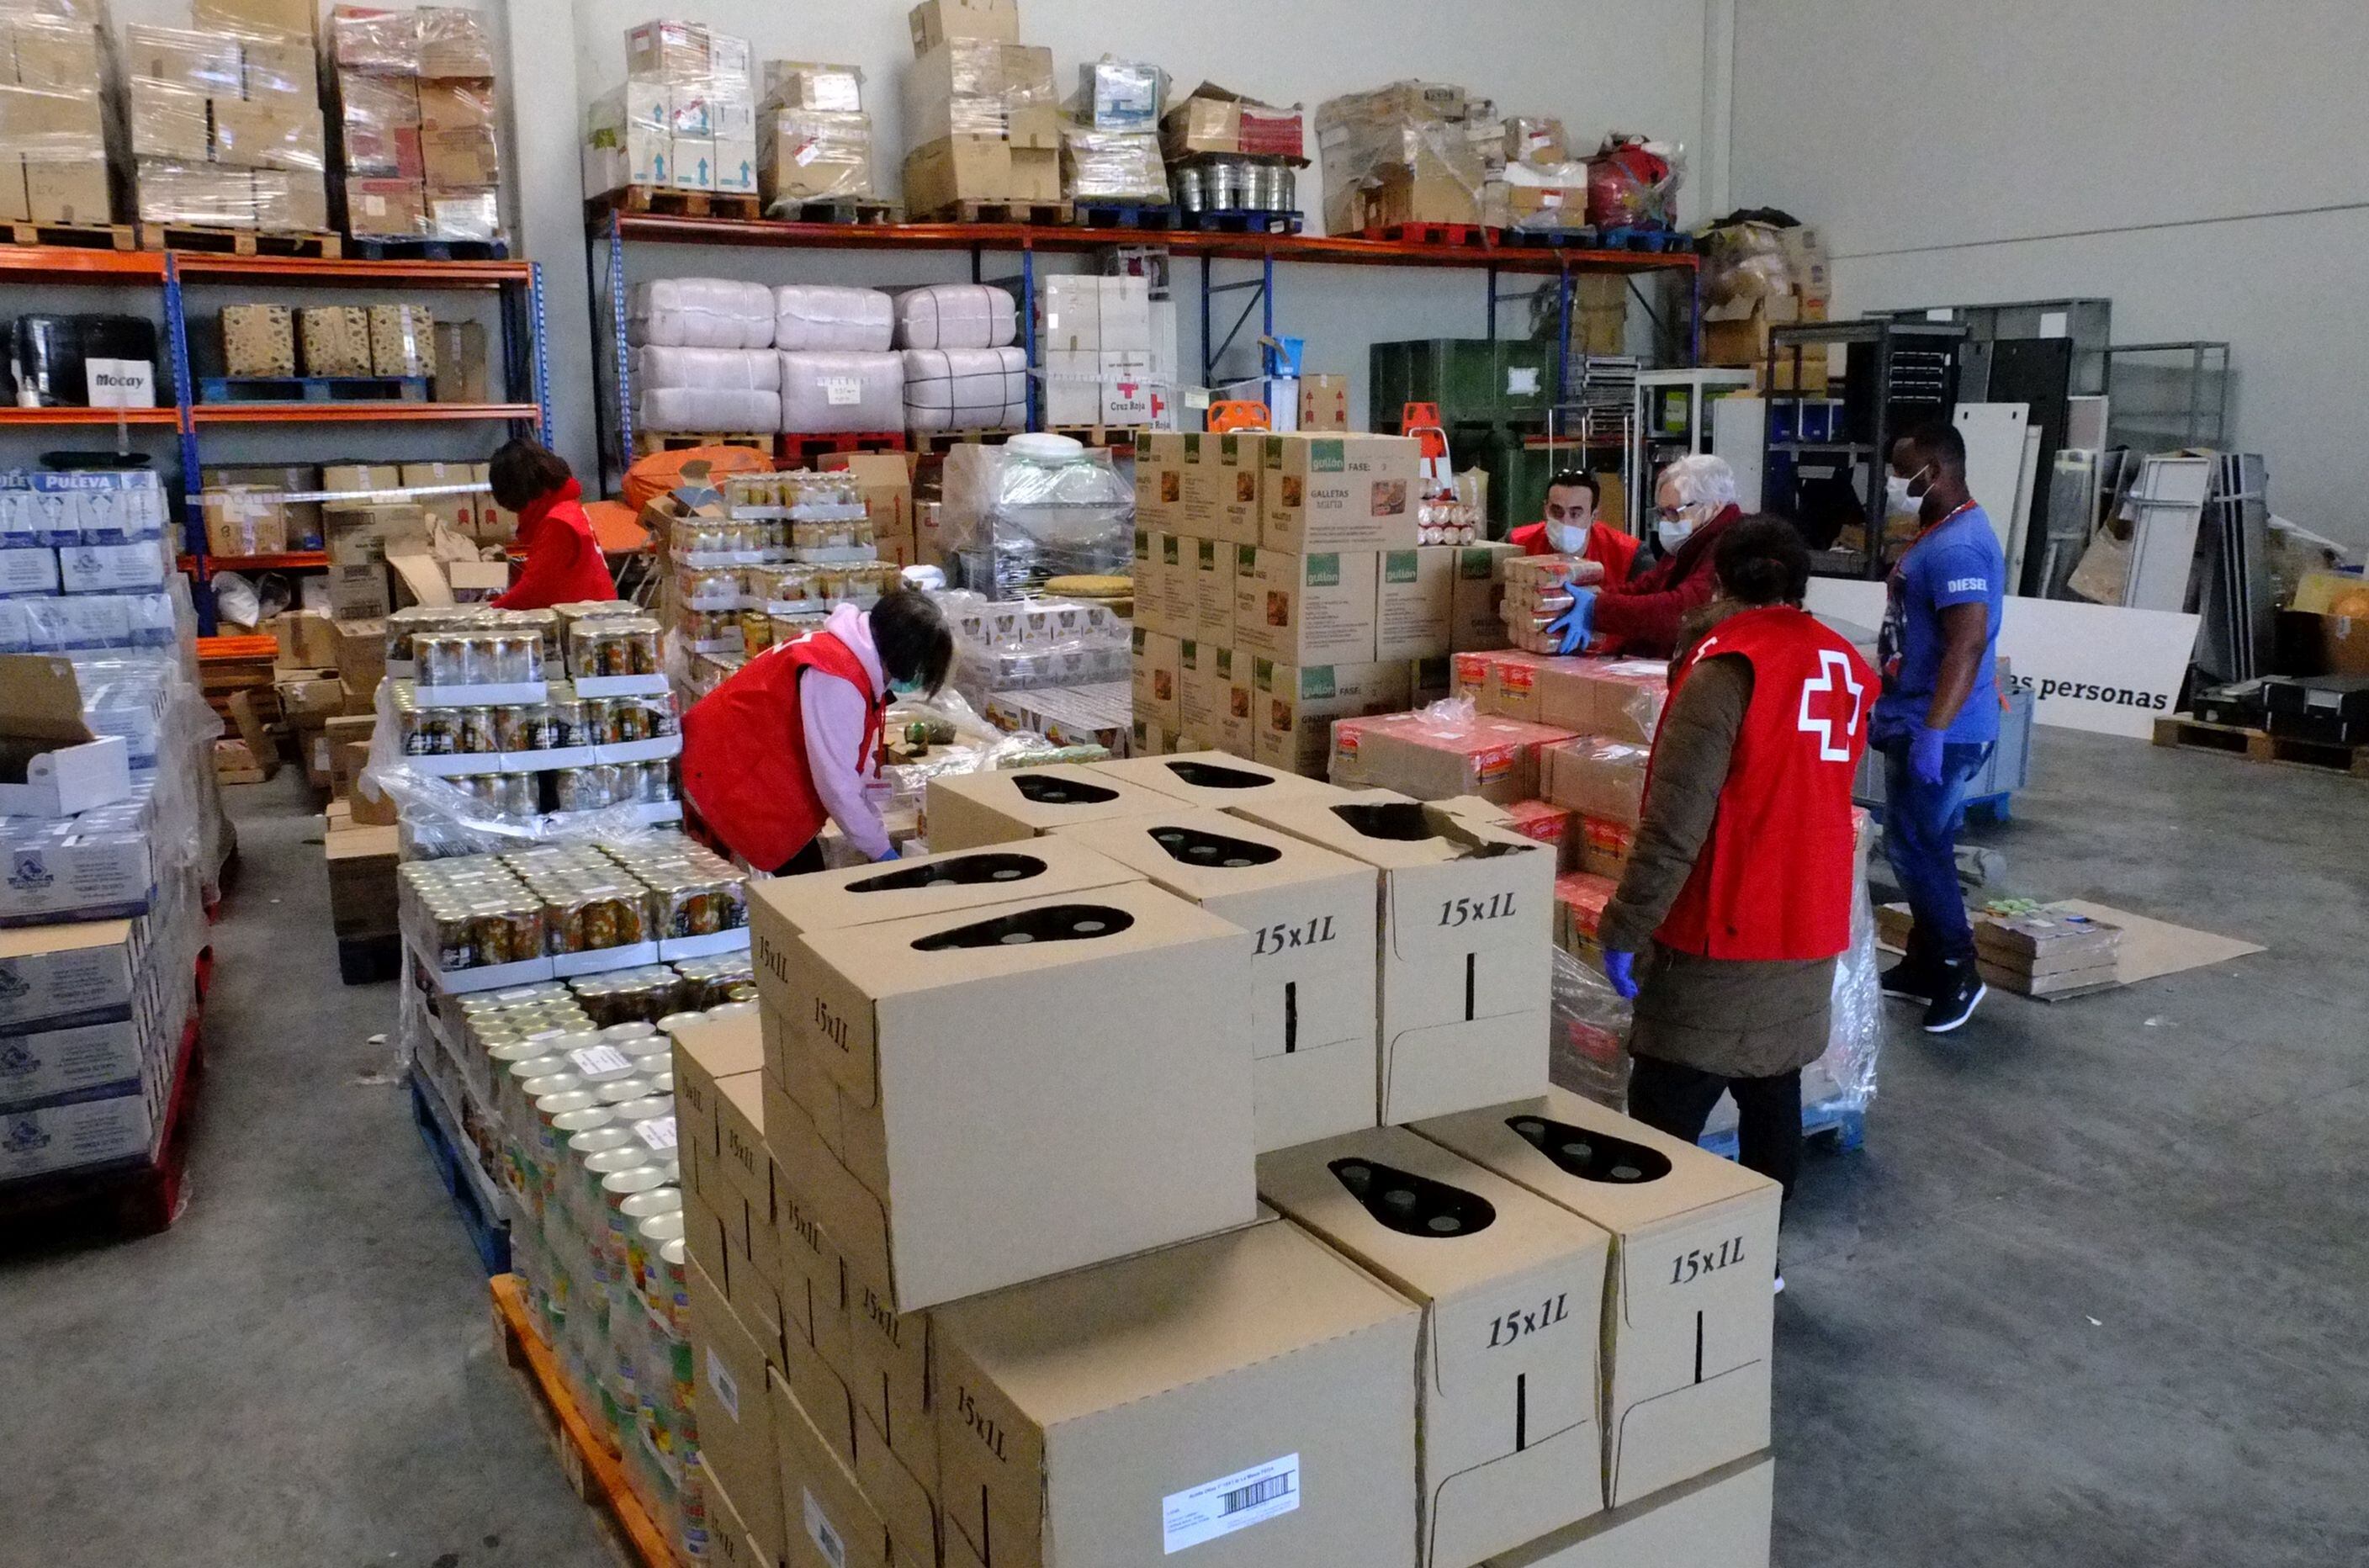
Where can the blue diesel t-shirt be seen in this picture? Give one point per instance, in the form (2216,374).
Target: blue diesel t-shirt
(1958,563)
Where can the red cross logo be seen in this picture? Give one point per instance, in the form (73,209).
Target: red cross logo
(1822,706)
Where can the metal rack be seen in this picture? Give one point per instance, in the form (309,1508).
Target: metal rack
(614,231)
(1672,418)
(173,273)
(2087,323)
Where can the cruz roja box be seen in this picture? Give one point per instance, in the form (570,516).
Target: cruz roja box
(1002,806)
(1464,951)
(1215,779)
(1310,914)
(1512,1289)
(1244,1398)
(1689,1308)
(1013,1147)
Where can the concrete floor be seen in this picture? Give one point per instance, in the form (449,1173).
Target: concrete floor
(2091,1294)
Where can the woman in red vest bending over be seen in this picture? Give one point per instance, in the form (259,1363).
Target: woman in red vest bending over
(563,564)
(1737,898)
(792,738)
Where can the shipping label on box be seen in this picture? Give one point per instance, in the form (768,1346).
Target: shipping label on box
(1414,604)
(1293,707)
(1690,1318)
(927,1028)
(736,1419)
(1305,610)
(1339,492)
(1249,1389)
(1465,949)
(1310,914)
(1512,1289)
(1003,807)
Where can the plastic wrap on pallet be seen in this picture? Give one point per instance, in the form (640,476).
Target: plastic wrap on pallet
(1112,166)
(1588,1047)
(1119,95)
(206,62)
(1398,154)
(957,315)
(813,155)
(974,87)
(1544,198)
(709,369)
(383,42)
(1047,507)
(465,214)
(378,121)
(811,84)
(966,389)
(836,392)
(681,408)
(1633,182)
(824,317)
(453,42)
(54,131)
(700,313)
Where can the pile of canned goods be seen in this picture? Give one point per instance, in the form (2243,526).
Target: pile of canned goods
(562,720)
(481,911)
(1235,185)
(613,645)
(406,624)
(470,912)
(659,993)
(793,492)
(695,891)
(728,541)
(806,588)
(480,657)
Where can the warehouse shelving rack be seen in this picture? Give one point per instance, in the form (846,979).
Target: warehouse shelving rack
(173,273)
(614,231)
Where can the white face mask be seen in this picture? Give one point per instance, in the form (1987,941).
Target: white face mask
(1896,499)
(1673,532)
(1566,537)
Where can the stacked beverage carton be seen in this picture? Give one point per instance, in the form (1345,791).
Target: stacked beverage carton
(1085,1189)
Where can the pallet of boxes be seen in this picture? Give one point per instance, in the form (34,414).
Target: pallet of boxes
(681,132)
(225,126)
(58,145)
(983,123)
(814,143)
(1403,157)
(418,110)
(964,1286)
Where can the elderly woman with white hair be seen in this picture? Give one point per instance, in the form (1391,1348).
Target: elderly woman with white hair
(1694,504)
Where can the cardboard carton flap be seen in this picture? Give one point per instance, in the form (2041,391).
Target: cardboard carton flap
(723,1046)
(1382,828)
(39,941)
(935,884)
(1236,780)
(1090,1341)
(1201,865)
(40,701)
(423,574)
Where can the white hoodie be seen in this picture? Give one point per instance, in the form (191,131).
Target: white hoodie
(834,713)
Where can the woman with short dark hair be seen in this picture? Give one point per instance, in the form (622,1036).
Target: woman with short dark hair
(1736,900)
(563,564)
(792,738)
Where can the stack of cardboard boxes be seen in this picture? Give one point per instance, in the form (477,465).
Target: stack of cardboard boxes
(685,118)
(1110,145)
(1751,300)
(1400,154)
(1099,1333)
(1096,336)
(418,119)
(814,139)
(56,147)
(1278,586)
(982,117)
(225,123)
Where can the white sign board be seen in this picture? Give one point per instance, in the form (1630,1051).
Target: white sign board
(2094,667)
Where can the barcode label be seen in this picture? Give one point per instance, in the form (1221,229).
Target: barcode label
(599,1058)
(819,1530)
(719,1377)
(656,1134)
(1228,1504)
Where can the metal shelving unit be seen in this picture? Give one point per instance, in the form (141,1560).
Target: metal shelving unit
(615,230)
(173,273)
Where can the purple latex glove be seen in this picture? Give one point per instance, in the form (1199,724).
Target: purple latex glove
(1620,968)
(1925,754)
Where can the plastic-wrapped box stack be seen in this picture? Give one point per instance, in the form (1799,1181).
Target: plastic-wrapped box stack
(711,354)
(225,128)
(418,117)
(1399,154)
(1110,144)
(57,148)
(767,560)
(982,119)
(686,118)
(1041,655)
(84,562)
(814,139)
(1096,334)
(1533,183)
(962,370)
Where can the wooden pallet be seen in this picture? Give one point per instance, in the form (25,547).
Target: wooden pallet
(2185,733)
(1582,237)
(646,442)
(1241,221)
(1097,435)
(1147,215)
(1462,237)
(940,441)
(489,1234)
(241,242)
(831,210)
(395,249)
(81,236)
(1630,237)
(666,201)
(593,1468)
(797,448)
(313,389)
(1051,215)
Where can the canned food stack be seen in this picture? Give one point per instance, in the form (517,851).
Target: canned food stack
(1032,645)
(1537,592)
(814,139)
(787,548)
(226,129)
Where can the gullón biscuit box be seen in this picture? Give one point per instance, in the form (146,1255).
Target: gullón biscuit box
(1339,492)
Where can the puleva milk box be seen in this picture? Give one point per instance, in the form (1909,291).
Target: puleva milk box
(1690,1313)
(1510,1286)
(1310,914)
(1465,953)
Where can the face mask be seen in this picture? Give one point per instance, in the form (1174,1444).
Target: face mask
(1673,531)
(1896,492)
(904,688)
(1566,537)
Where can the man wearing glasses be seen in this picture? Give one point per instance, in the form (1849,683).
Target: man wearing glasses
(1570,527)
(1694,504)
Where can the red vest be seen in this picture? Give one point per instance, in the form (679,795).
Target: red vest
(1773,880)
(744,750)
(1608,547)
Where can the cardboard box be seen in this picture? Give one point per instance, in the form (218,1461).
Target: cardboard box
(1226,487)
(50,763)
(933,1027)
(1414,608)
(402,341)
(1617,699)
(737,1440)
(68,193)
(934,21)
(1338,492)
(1689,1311)
(362,881)
(1215,119)
(1245,1397)
(239,16)
(55,977)
(461,364)
(885,482)
(1602,779)
(1478,592)
(1494,759)
(1157,677)
(166,123)
(1198,699)
(707,1053)
(336,342)
(966,810)
(1310,982)
(1512,1292)
(1213,593)
(829,1520)
(1293,707)
(1305,610)
(362,661)
(239,524)
(959,169)
(259,340)
(385,209)
(358,477)
(1233,692)
(1160,468)
(308,639)
(1465,957)
(1174,581)
(1323,403)
(1213,779)
(1720,1517)
(810,1278)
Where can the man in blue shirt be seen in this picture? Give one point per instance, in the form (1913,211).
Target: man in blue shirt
(1939,712)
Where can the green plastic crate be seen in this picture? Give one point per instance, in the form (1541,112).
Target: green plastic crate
(1474,381)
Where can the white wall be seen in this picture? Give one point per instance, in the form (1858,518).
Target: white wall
(1597,64)
(2197,162)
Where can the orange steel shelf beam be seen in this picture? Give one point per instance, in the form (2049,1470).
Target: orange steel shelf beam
(366,413)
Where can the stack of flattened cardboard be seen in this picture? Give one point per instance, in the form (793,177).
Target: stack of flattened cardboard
(1048,1212)
(2039,952)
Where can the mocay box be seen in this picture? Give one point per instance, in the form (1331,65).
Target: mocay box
(1014,1149)
(1465,945)
(1246,1398)
(1510,1286)
(1010,804)
(1690,1311)
(1310,914)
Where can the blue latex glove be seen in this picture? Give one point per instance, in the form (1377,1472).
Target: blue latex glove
(1570,628)
(887,857)
(1925,754)
(1620,968)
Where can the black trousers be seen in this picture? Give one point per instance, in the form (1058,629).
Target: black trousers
(1675,1099)
(805,860)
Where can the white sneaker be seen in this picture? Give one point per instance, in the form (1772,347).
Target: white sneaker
(1781,1285)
